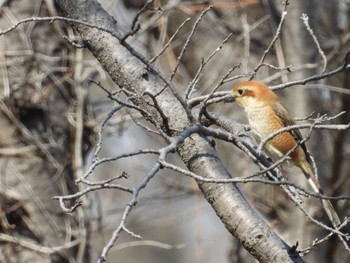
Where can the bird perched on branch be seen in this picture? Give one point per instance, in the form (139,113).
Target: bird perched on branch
(267,115)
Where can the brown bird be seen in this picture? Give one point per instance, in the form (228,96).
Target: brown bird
(267,115)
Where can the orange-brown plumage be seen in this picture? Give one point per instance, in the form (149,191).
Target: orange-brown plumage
(267,115)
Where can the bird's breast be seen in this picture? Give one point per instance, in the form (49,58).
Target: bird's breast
(263,122)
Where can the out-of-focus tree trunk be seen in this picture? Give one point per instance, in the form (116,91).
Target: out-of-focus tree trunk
(38,120)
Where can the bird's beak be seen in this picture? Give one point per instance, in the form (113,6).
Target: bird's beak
(229,99)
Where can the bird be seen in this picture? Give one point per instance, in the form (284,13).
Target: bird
(267,115)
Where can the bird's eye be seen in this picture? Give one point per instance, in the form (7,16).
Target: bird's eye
(240,92)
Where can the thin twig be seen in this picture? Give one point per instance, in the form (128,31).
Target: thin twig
(289,68)
(144,126)
(317,241)
(197,100)
(324,75)
(98,162)
(189,38)
(87,190)
(170,41)
(136,191)
(218,85)
(305,19)
(122,225)
(276,36)
(35,247)
(100,130)
(57,18)
(147,243)
(136,18)
(243,75)
(195,80)
(124,175)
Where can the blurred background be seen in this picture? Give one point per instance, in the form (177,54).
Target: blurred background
(46,92)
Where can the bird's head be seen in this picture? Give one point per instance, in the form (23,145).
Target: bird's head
(252,94)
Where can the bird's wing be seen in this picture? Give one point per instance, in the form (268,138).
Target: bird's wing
(286,120)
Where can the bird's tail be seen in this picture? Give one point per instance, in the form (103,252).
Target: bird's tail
(327,205)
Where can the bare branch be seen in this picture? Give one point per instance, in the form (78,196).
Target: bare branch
(206,103)
(199,19)
(317,241)
(37,248)
(147,243)
(278,31)
(136,18)
(87,190)
(289,68)
(193,83)
(57,18)
(104,160)
(144,126)
(220,95)
(305,19)
(169,42)
(316,77)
